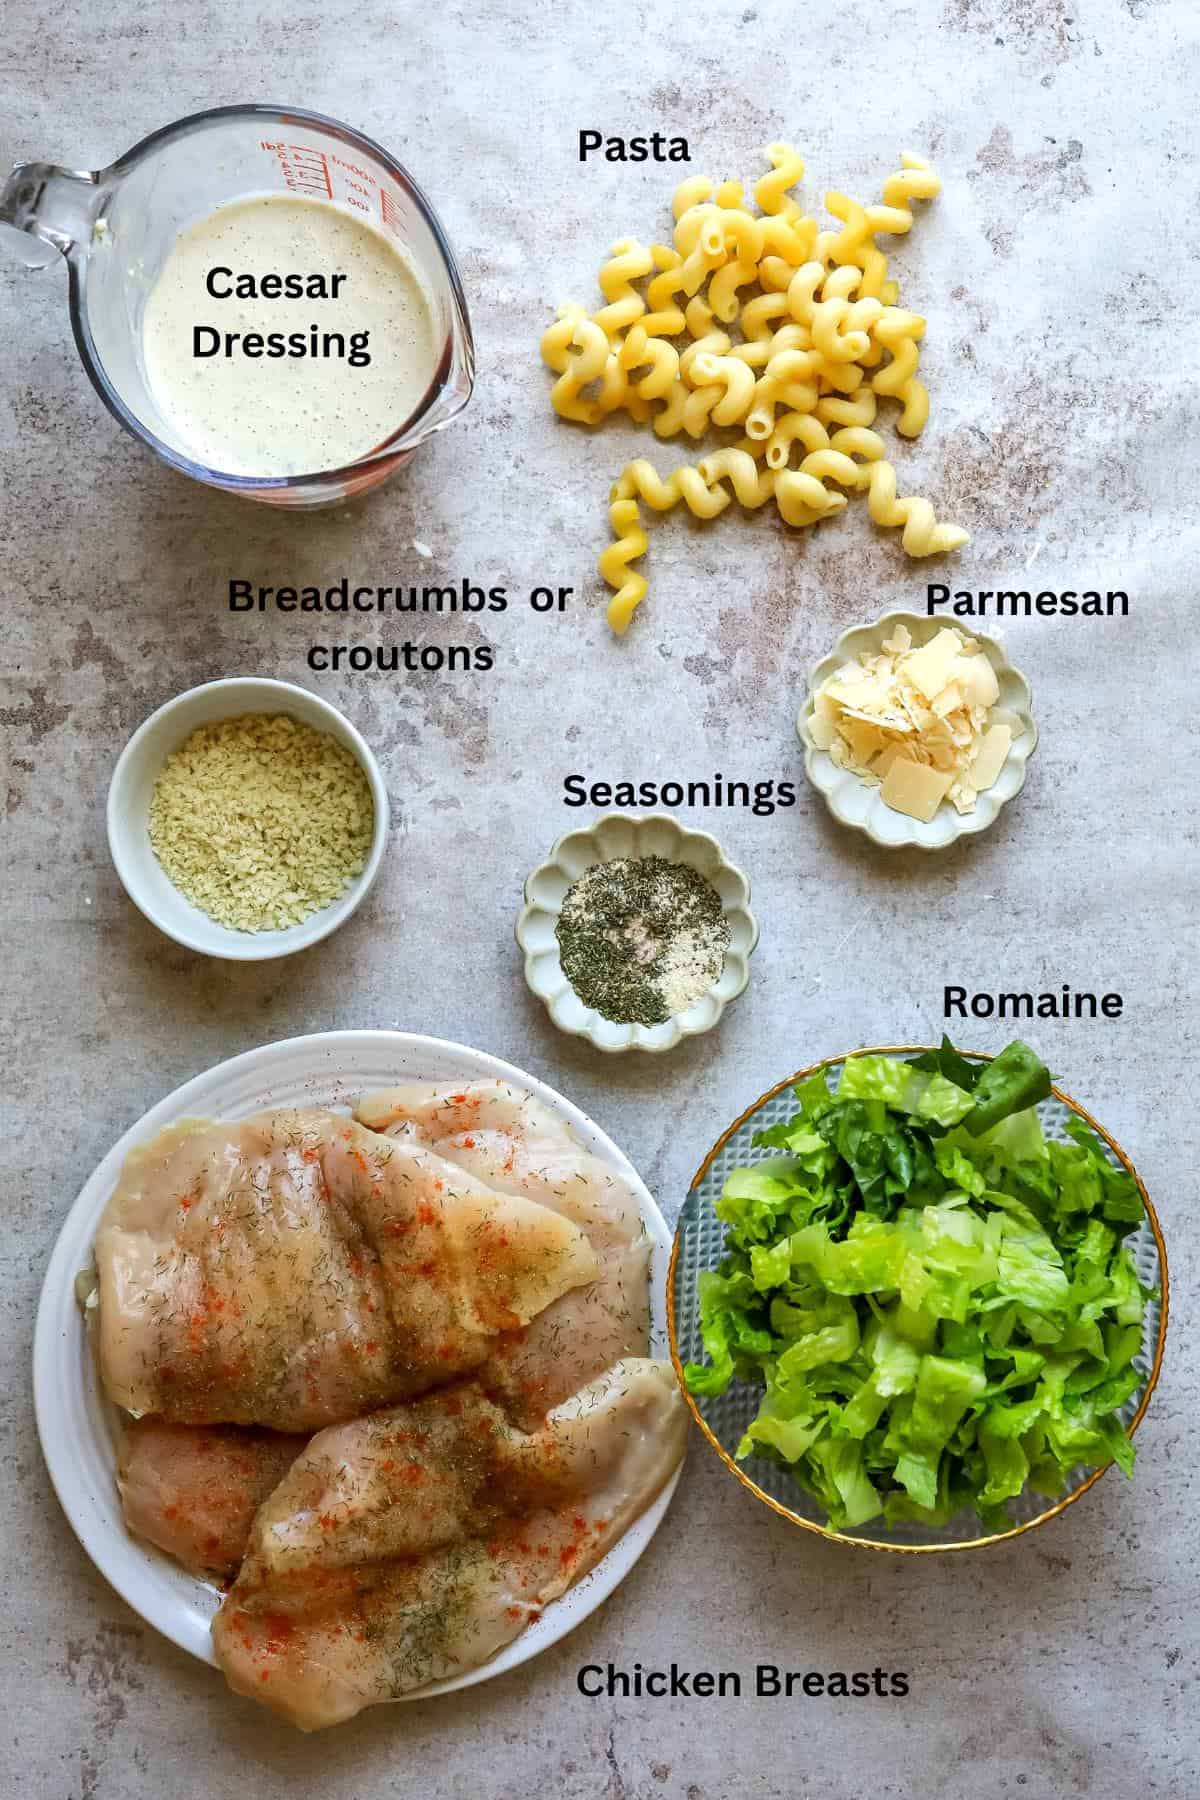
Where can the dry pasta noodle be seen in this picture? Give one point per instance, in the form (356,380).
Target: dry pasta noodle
(790,336)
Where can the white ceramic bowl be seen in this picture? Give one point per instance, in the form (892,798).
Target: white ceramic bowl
(613,836)
(854,802)
(129,795)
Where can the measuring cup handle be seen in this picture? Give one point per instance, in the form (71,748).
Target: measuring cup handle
(57,206)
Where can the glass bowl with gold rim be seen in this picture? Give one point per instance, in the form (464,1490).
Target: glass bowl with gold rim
(699,1245)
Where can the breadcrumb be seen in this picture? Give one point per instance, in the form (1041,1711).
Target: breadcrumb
(261,821)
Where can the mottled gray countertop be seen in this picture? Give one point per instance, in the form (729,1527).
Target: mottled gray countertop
(1059,273)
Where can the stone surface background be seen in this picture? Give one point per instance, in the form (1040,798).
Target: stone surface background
(1058,273)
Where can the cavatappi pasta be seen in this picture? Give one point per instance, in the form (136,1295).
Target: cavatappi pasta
(786,338)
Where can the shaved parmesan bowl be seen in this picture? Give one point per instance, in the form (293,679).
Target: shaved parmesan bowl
(915,731)
(923,724)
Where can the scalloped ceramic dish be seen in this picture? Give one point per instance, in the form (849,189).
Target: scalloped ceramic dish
(854,802)
(613,836)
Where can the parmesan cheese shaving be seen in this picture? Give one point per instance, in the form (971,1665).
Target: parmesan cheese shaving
(919,724)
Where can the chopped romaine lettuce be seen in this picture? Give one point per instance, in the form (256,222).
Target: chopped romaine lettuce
(935,1299)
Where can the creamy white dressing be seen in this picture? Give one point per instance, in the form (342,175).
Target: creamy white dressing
(289,413)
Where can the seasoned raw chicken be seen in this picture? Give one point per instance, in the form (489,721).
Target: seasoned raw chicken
(295,1269)
(504,1136)
(194,1489)
(414,1544)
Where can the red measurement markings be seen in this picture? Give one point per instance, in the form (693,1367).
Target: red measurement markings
(389,208)
(304,169)
(356,183)
(339,162)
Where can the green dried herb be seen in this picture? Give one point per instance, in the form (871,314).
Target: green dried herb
(642,938)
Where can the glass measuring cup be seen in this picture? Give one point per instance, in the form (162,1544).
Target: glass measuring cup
(116,227)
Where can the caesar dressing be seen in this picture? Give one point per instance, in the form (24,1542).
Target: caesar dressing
(285,336)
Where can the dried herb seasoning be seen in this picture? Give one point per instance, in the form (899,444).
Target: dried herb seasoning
(642,938)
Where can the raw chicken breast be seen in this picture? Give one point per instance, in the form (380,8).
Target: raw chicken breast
(408,1547)
(194,1489)
(504,1136)
(294,1269)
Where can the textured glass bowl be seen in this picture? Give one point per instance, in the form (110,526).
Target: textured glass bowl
(699,1245)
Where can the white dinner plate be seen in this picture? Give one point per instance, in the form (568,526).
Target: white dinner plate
(77,1424)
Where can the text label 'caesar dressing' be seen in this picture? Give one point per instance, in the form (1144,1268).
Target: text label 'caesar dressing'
(285,336)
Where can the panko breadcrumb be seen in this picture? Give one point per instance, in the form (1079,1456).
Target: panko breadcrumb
(261,820)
